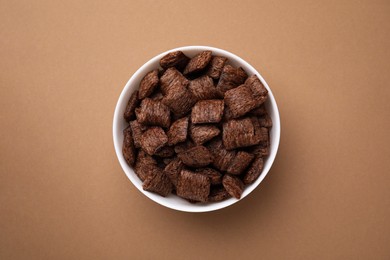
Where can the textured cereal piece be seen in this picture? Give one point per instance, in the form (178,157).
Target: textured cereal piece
(260,133)
(214,175)
(222,157)
(153,139)
(233,185)
(175,59)
(260,93)
(153,112)
(215,67)
(259,111)
(240,163)
(217,194)
(203,133)
(198,62)
(131,105)
(260,100)
(264,134)
(145,165)
(260,150)
(197,156)
(178,131)
(173,169)
(136,131)
(128,148)
(172,77)
(179,99)
(230,78)
(239,101)
(184,146)
(265,121)
(193,186)
(263,148)
(239,133)
(254,171)
(158,183)
(148,84)
(164,152)
(207,111)
(203,88)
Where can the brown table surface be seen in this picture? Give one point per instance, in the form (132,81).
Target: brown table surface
(63,194)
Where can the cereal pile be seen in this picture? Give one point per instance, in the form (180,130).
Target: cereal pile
(198,128)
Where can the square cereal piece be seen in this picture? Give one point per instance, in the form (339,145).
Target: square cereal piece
(179,99)
(198,62)
(153,139)
(172,77)
(158,183)
(201,134)
(131,105)
(218,193)
(148,84)
(222,157)
(238,133)
(203,88)
(197,156)
(178,131)
(260,93)
(230,78)
(264,135)
(239,101)
(153,112)
(260,133)
(207,111)
(128,148)
(215,67)
(175,59)
(193,186)
(233,185)
(173,169)
(145,165)
(136,130)
(254,171)
(214,175)
(263,148)
(240,163)
(265,120)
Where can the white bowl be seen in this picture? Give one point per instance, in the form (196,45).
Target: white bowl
(173,201)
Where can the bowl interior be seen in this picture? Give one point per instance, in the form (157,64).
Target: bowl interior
(173,201)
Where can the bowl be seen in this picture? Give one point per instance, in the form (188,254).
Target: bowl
(119,124)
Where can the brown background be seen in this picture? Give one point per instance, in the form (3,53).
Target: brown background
(63,194)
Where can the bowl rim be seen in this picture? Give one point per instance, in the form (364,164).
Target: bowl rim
(195,207)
